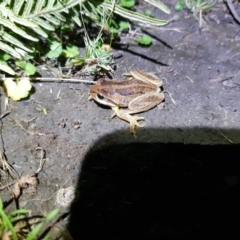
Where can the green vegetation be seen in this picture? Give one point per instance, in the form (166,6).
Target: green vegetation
(26,23)
(180,5)
(34,19)
(17,225)
(96,56)
(197,7)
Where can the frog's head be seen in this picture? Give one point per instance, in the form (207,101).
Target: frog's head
(101,93)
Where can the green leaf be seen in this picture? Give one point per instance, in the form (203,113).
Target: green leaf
(135,16)
(113,23)
(52,214)
(144,40)
(17,218)
(7,223)
(13,40)
(29,69)
(127,3)
(180,5)
(148,12)
(71,51)
(56,49)
(33,234)
(44,24)
(16,29)
(124,25)
(51,19)
(158,4)
(5,56)
(4,67)
(8,49)
(78,61)
(114,30)
(18,212)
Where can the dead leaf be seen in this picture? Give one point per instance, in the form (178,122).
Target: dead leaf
(29,181)
(17,90)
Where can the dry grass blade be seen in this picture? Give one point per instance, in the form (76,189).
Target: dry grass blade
(5,167)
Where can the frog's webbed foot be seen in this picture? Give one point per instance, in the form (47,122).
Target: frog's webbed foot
(114,114)
(125,115)
(134,122)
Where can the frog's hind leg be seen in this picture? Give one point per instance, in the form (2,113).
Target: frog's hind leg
(125,115)
(134,122)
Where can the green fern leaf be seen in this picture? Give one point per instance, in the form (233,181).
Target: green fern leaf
(5,68)
(60,16)
(6,48)
(51,19)
(44,24)
(17,6)
(39,5)
(50,5)
(7,13)
(159,5)
(134,16)
(22,21)
(28,7)
(26,18)
(76,17)
(40,32)
(9,38)
(22,52)
(16,29)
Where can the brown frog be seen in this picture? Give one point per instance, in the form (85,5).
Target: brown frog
(127,97)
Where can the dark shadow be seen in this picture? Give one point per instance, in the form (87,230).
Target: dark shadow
(157,191)
(165,44)
(124,47)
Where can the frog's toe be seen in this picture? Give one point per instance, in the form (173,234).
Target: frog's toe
(134,122)
(116,110)
(113,115)
(136,119)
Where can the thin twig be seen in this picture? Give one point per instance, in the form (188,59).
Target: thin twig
(226,137)
(171,97)
(52,79)
(8,185)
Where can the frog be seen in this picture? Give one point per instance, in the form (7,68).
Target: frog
(139,93)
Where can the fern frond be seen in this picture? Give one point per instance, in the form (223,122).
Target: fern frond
(28,6)
(8,24)
(60,16)
(101,12)
(9,38)
(5,68)
(52,19)
(44,24)
(16,17)
(17,7)
(6,48)
(135,16)
(76,17)
(28,19)
(159,5)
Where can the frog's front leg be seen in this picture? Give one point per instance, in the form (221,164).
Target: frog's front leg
(125,114)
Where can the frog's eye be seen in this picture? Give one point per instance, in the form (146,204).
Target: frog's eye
(100,97)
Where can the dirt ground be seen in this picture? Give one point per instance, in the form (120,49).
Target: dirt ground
(179,179)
